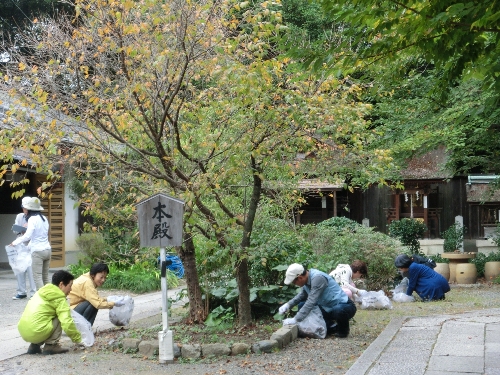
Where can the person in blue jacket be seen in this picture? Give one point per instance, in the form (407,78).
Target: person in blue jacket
(429,285)
(319,288)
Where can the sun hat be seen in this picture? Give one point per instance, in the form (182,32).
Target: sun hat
(33,204)
(402,261)
(24,201)
(292,272)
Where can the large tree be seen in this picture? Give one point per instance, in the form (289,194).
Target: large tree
(189,99)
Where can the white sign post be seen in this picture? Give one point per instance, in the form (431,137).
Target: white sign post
(160,225)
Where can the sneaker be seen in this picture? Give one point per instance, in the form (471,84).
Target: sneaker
(19,296)
(34,349)
(50,349)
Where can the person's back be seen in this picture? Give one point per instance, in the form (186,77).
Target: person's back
(428,284)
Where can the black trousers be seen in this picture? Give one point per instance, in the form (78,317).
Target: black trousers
(341,314)
(88,311)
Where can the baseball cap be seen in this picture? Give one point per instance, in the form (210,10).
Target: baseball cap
(292,272)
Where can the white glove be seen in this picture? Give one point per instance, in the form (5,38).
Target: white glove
(360,292)
(283,309)
(119,303)
(289,321)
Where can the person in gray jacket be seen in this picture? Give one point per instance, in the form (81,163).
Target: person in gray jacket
(318,288)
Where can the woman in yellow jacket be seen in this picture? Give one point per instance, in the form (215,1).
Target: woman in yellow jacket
(84,298)
(47,314)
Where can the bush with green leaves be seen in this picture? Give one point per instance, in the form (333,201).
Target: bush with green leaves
(453,237)
(274,246)
(481,259)
(333,247)
(408,231)
(141,277)
(439,259)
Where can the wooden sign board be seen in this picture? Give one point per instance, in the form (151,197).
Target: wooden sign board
(160,220)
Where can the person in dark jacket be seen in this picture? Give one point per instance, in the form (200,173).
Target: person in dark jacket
(428,284)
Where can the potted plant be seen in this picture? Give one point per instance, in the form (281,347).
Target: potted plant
(453,237)
(442,265)
(408,231)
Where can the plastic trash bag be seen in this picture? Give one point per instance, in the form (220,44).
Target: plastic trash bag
(19,258)
(375,301)
(83,325)
(358,297)
(402,297)
(120,315)
(401,287)
(313,326)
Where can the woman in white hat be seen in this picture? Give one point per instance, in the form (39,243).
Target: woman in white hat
(37,233)
(22,222)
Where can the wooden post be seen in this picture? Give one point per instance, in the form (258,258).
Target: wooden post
(397,206)
(334,203)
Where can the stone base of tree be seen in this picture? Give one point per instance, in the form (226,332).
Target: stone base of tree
(279,339)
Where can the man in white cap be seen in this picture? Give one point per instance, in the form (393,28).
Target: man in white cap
(318,288)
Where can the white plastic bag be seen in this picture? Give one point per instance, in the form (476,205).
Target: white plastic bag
(402,286)
(120,315)
(19,258)
(83,325)
(375,301)
(402,297)
(313,325)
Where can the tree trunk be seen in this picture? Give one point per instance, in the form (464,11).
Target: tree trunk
(243,279)
(197,312)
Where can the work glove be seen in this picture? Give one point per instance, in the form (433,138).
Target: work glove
(283,309)
(289,321)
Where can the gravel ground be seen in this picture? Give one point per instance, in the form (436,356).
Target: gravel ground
(328,356)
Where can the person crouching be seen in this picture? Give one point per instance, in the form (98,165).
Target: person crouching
(47,314)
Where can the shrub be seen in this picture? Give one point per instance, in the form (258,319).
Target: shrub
(408,231)
(439,259)
(139,278)
(333,247)
(93,248)
(481,259)
(453,237)
(274,246)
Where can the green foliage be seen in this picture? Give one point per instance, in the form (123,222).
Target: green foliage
(93,248)
(453,237)
(481,259)
(460,38)
(496,235)
(138,278)
(439,259)
(408,231)
(333,246)
(220,315)
(340,224)
(275,243)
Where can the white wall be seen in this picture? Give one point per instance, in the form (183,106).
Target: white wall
(6,234)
